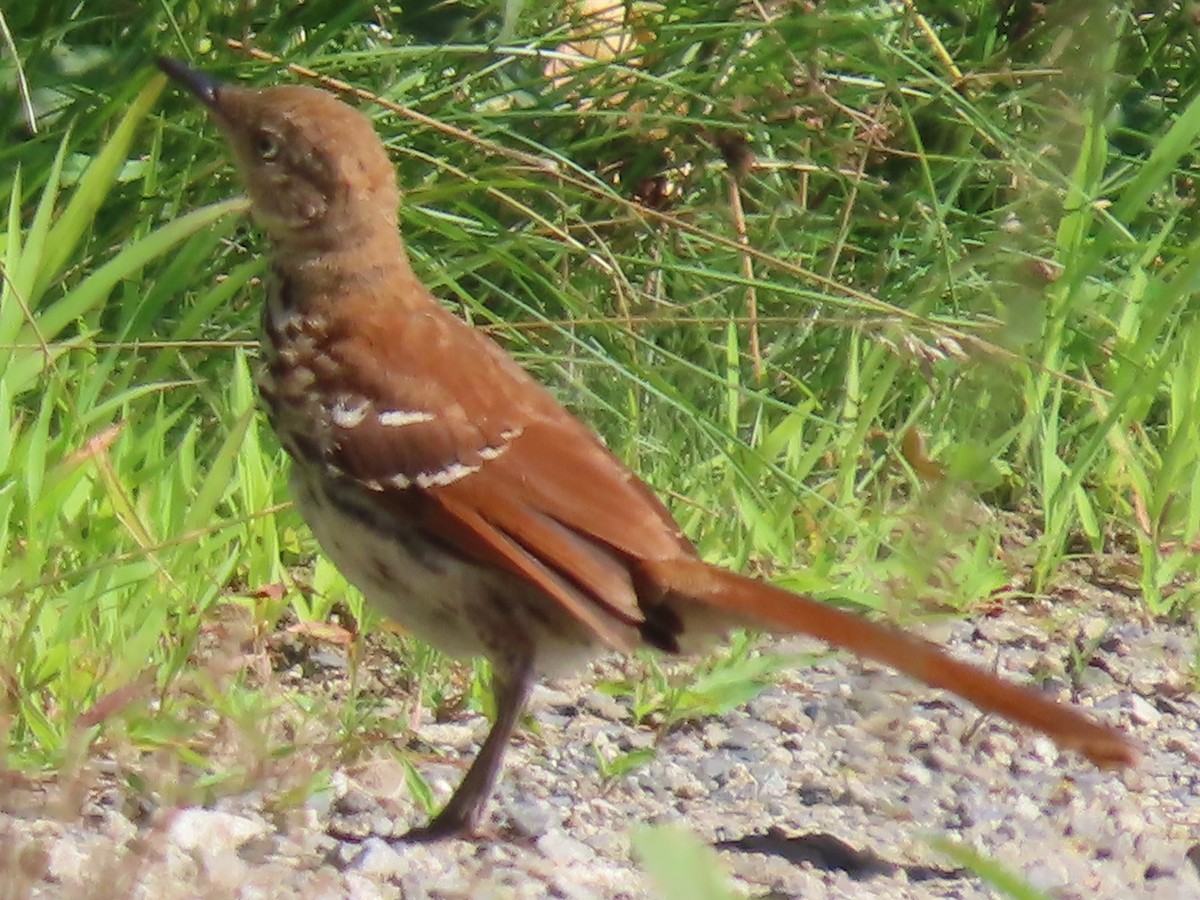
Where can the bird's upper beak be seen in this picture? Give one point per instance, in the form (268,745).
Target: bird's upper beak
(206,88)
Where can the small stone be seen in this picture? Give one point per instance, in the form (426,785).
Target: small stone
(117,827)
(360,887)
(564,849)
(1094,628)
(605,706)
(531,818)
(378,858)
(544,697)
(344,855)
(224,871)
(677,779)
(1142,711)
(779,757)
(460,736)
(773,784)
(1026,809)
(750,736)
(637,739)
(1185,744)
(350,828)
(259,850)
(1044,749)
(716,768)
(916,773)
(211,831)
(1145,679)
(339,783)
(329,659)
(382,825)
(715,734)
(68,862)
(320,802)
(354,802)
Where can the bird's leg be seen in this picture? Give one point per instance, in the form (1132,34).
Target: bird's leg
(511,685)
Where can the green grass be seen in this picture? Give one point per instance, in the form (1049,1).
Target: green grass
(1003,263)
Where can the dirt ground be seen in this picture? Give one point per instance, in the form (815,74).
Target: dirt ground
(837,781)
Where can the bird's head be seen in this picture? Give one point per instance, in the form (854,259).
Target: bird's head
(314,167)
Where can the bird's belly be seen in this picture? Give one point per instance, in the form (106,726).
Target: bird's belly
(461,608)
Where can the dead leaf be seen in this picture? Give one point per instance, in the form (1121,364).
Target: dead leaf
(324,632)
(96,445)
(912,448)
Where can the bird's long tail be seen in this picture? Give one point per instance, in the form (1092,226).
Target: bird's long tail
(774,609)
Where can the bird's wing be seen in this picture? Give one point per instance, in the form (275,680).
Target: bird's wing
(490,462)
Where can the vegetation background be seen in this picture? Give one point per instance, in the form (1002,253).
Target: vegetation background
(894,301)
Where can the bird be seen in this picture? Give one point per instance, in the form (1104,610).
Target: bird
(452,488)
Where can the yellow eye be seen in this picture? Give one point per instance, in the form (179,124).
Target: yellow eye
(266,145)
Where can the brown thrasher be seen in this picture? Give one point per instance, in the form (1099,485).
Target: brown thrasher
(454,490)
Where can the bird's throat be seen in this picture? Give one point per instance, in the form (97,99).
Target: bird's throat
(332,267)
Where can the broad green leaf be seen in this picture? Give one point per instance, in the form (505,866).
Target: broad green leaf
(93,187)
(216,483)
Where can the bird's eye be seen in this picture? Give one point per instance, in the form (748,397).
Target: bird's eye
(266,145)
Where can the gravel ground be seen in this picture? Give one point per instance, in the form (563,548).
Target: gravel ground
(829,784)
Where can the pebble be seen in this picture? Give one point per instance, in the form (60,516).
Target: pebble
(379,859)
(211,830)
(530,818)
(562,848)
(458,736)
(605,706)
(1143,712)
(353,802)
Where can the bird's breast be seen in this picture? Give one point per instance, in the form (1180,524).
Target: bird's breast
(295,376)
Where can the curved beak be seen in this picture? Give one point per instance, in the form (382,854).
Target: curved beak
(206,88)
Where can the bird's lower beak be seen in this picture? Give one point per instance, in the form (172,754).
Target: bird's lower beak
(206,88)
